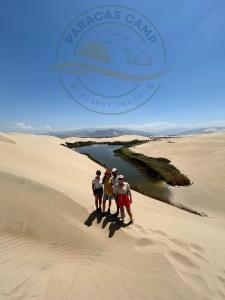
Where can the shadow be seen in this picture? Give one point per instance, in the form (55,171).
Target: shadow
(108,219)
(99,217)
(94,215)
(116,225)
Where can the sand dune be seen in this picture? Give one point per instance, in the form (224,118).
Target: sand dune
(53,247)
(201,158)
(5,139)
(122,138)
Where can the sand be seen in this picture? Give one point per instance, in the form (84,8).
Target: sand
(122,138)
(202,159)
(53,247)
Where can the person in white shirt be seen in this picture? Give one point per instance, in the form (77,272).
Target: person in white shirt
(114,183)
(97,188)
(124,197)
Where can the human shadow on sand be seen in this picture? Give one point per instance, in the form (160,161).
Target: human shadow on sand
(115,225)
(94,215)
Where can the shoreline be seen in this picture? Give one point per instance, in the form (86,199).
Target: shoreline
(144,168)
(155,168)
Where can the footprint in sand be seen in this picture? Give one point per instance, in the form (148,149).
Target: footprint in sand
(197,282)
(197,248)
(143,242)
(151,240)
(181,260)
(221,279)
(222,294)
(180,243)
(193,249)
(141,229)
(160,233)
(150,245)
(201,257)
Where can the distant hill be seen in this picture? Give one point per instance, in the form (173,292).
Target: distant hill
(202,130)
(94,132)
(113,132)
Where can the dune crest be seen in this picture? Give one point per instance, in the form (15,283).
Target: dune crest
(5,139)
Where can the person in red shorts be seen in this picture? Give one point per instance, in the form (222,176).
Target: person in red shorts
(124,197)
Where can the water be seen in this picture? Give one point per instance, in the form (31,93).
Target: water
(104,154)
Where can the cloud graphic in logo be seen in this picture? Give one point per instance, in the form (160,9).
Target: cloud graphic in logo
(95,51)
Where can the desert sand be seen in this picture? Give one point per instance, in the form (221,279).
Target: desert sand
(48,249)
(202,159)
(123,138)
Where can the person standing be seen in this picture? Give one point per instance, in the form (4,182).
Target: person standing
(114,184)
(124,197)
(97,188)
(108,190)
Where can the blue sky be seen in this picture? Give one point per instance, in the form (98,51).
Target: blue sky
(192,93)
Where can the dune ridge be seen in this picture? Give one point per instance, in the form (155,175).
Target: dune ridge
(122,138)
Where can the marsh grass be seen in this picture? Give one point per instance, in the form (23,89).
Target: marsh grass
(159,168)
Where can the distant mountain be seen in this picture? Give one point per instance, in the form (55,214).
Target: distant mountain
(113,132)
(94,132)
(202,130)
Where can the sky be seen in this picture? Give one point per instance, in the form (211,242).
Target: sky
(192,86)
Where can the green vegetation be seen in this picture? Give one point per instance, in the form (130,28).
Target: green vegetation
(128,143)
(155,168)
(90,143)
(79,144)
(158,168)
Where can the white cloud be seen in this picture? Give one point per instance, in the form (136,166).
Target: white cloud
(21,125)
(48,127)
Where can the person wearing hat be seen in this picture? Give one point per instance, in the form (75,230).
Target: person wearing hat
(97,188)
(124,197)
(108,190)
(114,184)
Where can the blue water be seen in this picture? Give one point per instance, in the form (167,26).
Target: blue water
(104,154)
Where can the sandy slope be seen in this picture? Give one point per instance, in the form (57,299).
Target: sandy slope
(47,252)
(122,138)
(202,159)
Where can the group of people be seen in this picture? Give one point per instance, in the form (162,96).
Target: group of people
(112,187)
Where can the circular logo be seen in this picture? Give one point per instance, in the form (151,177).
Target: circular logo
(110,59)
